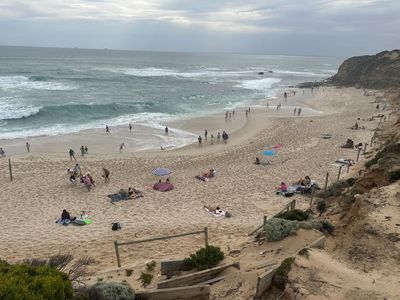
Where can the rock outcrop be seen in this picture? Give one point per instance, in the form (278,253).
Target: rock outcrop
(377,71)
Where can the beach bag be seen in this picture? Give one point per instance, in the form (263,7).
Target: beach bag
(115,226)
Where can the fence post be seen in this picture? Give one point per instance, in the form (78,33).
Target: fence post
(265,220)
(9,167)
(365,148)
(338,175)
(117,253)
(206,236)
(358,153)
(326,181)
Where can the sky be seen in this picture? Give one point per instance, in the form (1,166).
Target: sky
(290,27)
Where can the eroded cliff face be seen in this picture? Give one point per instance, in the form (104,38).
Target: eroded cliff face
(377,71)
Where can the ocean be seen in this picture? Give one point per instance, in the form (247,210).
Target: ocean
(53,91)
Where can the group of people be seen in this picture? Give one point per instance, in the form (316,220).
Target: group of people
(302,186)
(84,150)
(224,137)
(76,173)
(298,111)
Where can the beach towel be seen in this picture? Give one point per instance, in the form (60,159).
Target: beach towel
(163,186)
(63,222)
(220,214)
(118,197)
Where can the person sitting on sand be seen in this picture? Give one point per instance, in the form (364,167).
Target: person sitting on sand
(215,210)
(282,187)
(257,161)
(209,174)
(72,176)
(134,193)
(66,216)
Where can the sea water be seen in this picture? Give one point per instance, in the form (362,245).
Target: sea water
(52,91)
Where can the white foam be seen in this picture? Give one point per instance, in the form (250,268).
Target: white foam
(12,108)
(258,84)
(22,82)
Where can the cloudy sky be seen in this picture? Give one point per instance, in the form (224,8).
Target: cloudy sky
(293,27)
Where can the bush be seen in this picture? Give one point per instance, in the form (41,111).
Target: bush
(336,188)
(150,266)
(394,175)
(111,291)
(205,258)
(294,215)
(33,282)
(281,277)
(305,252)
(277,229)
(321,225)
(146,278)
(321,206)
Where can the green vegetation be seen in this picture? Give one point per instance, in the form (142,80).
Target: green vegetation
(205,258)
(294,215)
(321,206)
(305,252)
(33,282)
(394,175)
(150,266)
(371,162)
(277,229)
(128,272)
(146,278)
(336,188)
(111,291)
(281,275)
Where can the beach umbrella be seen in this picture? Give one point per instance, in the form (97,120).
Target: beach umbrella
(269,153)
(161,171)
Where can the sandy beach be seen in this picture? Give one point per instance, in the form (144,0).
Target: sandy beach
(32,202)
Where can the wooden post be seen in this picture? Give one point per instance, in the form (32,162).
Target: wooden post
(340,171)
(365,148)
(326,181)
(265,220)
(358,153)
(348,168)
(312,196)
(117,254)
(206,236)
(9,167)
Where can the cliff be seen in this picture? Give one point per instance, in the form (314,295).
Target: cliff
(377,71)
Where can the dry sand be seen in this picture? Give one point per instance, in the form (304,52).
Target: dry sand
(31,203)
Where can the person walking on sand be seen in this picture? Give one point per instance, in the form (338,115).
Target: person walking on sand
(199,139)
(72,154)
(247,114)
(299,112)
(86,149)
(2,152)
(130,128)
(285,96)
(106,175)
(28,147)
(121,147)
(82,150)
(212,139)
(218,137)
(166,130)
(205,134)
(107,130)
(294,112)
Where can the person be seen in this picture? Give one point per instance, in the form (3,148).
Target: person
(267,105)
(107,130)
(247,113)
(77,170)
(106,175)
(294,112)
(225,137)
(166,130)
(90,178)
(167,180)
(285,96)
(199,139)
(257,161)
(65,215)
(218,137)
(72,154)
(2,152)
(215,210)
(130,128)
(283,187)
(87,181)
(86,149)
(205,134)
(28,147)
(72,176)
(82,150)
(121,146)
(377,107)
(226,116)
(299,111)
(212,139)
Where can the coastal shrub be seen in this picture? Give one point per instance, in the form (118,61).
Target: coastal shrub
(146,278)
(321,206)
(281,277)
(150,266)
(371,162)
(336,188)
(33,282)
(277,229)
(111,291)
(294,215)
(394,175)
(322,225)
(205,258)
(305,252)
(128,272)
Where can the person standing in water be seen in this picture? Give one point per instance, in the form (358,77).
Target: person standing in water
(166,130)
(285,96)
(107,130)
(28,147)
(130,128)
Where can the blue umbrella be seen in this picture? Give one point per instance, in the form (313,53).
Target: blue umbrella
(269,153)
(161,171)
